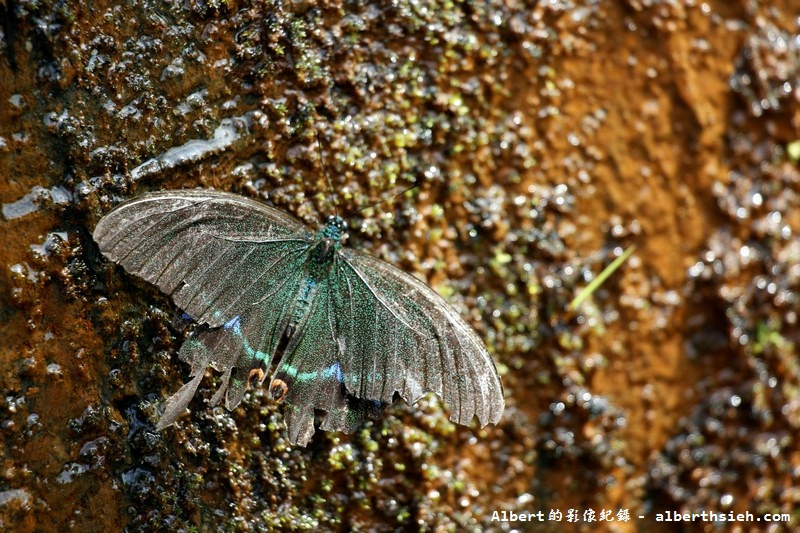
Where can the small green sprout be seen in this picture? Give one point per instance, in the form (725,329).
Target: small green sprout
(600,279)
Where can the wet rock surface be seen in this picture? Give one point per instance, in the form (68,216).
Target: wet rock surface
(545,137)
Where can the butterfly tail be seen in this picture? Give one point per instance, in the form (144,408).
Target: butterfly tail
(196,354)
(224,350)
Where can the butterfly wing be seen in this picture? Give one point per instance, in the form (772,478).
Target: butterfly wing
(213,252)
(311,371)
(231,263)
(396,334)
(243,347)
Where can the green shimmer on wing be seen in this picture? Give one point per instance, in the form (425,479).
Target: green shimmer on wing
(332,371)
(235,325)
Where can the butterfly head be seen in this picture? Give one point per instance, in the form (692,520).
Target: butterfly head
(335,228)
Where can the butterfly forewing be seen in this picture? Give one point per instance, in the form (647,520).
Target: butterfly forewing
(397,334)
(215,253)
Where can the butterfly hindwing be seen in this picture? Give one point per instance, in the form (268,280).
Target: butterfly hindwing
(311,372)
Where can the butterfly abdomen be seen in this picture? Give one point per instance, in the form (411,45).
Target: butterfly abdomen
(304,298)
(321,257)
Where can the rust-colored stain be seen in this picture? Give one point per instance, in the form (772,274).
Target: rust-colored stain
(545,137)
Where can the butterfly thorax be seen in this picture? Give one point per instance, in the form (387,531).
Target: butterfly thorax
(335,228)
(328,240)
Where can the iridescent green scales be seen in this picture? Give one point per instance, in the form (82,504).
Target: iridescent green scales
(342,332)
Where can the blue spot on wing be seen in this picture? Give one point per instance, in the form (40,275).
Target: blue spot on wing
(335,370)
(235,324)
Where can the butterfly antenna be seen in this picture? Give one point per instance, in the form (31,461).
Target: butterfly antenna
(401,193)
(325,172)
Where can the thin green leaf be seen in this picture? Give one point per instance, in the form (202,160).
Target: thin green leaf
(599,280)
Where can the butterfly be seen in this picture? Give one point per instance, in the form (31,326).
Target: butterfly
(342,332)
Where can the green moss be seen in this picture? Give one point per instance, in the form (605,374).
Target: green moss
(768,336)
